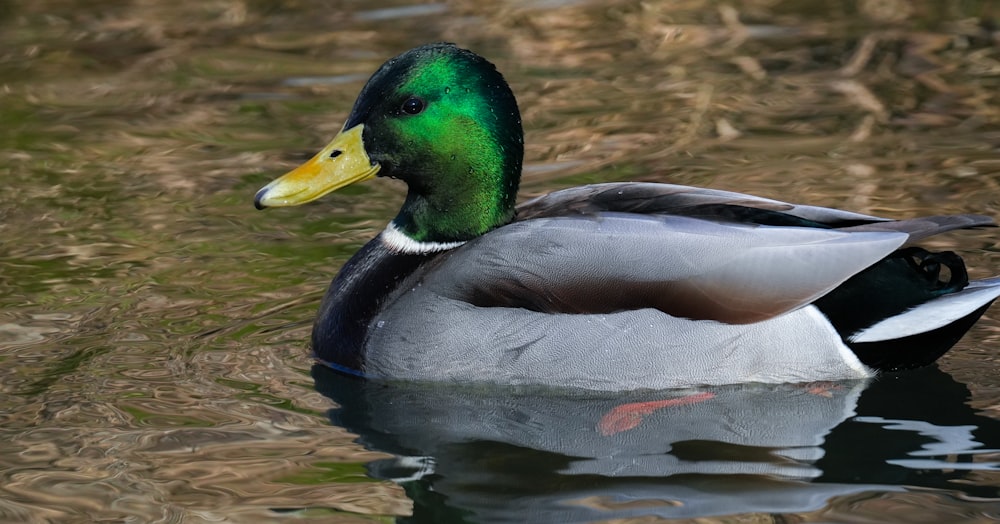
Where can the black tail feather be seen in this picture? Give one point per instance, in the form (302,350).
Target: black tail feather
(903,280)
(915,350)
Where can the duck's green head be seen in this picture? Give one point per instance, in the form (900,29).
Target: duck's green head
(443,120)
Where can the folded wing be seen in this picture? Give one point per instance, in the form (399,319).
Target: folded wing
(686,267)
(669,199)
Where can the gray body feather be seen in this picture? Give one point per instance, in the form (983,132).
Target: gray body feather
(627,286)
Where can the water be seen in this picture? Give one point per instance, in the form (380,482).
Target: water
(153,324)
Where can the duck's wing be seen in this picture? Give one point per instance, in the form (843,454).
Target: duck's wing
(686,267)
(648,198)
(668,199)
(923,227)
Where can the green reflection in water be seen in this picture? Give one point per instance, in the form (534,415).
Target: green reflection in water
(327,472)
(64,367)
(254,394)
(142,417)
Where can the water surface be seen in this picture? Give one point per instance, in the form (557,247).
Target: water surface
(153,325)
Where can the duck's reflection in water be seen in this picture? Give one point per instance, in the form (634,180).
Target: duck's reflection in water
(492,454)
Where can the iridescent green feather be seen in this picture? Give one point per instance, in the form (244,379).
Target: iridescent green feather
(461,156)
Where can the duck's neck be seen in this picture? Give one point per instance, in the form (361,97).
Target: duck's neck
(461,209)
(356,296)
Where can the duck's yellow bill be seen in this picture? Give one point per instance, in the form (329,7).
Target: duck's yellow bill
(342,162)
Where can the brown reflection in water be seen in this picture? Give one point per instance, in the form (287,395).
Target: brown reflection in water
(152,324)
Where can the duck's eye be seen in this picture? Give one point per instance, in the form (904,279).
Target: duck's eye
(412,106)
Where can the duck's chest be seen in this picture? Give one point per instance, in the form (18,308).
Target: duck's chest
(366,284)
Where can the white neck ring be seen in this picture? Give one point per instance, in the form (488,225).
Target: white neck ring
(398,242)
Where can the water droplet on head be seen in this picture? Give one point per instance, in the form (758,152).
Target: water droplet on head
(447,90)
(380,323)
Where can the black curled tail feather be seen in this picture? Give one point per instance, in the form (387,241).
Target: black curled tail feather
(905,279)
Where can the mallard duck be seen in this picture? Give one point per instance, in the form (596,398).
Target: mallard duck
(612,286)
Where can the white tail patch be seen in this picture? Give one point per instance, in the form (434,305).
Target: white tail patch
(933,314)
